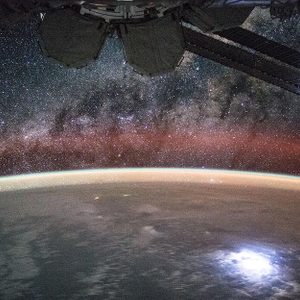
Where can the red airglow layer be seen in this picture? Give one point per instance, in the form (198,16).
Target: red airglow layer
(233,149)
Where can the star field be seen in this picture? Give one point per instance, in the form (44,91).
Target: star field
(202,115)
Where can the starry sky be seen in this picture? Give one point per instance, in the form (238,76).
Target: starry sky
(202,115)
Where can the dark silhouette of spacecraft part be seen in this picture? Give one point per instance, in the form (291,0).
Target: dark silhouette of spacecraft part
(155,34)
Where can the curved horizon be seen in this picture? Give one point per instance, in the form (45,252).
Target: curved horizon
(139,175)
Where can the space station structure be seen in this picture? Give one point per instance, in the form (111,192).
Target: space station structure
(156,33)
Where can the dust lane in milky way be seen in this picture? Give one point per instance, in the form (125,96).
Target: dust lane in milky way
(232,149)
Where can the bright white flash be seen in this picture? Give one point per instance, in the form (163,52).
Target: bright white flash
(251,265)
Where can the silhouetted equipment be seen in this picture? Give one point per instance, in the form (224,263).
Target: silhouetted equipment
(70,38)
(261,44)
(156,33)
(242,60)
(216,19)
(155,46)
